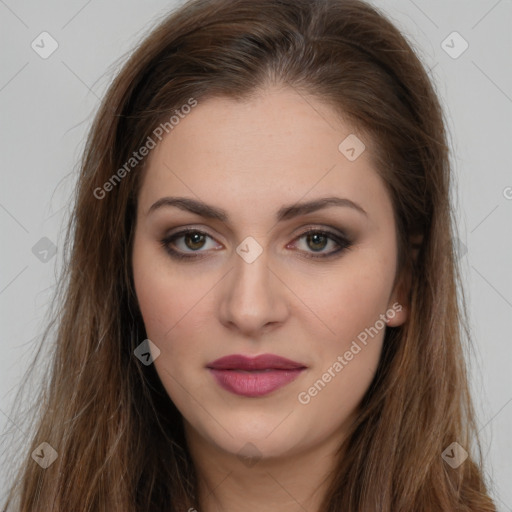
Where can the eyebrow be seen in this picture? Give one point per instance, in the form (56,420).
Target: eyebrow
(284,213)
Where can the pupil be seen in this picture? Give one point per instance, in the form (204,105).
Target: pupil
(196,238)
(317,239)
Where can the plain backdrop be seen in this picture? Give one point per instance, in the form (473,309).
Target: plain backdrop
(47,105)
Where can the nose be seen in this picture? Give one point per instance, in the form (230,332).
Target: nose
(253,299)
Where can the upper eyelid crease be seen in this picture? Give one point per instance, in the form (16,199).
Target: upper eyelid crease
(331,232)
(284,213)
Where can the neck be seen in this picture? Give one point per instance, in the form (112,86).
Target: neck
(229,482)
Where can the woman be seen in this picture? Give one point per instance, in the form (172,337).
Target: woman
(260,306)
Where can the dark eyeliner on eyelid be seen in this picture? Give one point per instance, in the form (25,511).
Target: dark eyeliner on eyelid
(165,242)
(343,243)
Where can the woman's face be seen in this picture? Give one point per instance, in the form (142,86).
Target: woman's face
(248,280)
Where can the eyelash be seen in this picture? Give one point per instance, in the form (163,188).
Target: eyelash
(343,243)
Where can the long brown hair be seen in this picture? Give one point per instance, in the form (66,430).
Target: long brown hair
(118,435)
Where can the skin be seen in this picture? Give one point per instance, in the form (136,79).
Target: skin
(251,158)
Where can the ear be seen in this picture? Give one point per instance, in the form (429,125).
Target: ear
(398,306)
(399,303)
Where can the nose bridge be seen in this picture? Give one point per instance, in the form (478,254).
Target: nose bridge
(251,278)
(252,299)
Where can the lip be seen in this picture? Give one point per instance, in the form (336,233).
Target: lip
(261,362)
(254,376)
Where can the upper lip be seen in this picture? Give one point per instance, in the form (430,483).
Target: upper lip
(261,362)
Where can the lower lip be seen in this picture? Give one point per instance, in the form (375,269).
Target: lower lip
(254,383)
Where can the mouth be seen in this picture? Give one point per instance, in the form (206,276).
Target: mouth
(254,377)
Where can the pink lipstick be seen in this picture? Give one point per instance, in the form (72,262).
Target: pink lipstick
(254,376)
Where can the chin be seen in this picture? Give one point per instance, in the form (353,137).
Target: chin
(250,439)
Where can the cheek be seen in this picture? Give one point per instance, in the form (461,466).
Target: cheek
(173,304)
(161,295)
(167,306)
(346,301)
(158,304)
(346,361)
(348,332)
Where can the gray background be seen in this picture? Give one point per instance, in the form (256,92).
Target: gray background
(47,106)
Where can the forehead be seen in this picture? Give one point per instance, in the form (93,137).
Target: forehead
(274,148)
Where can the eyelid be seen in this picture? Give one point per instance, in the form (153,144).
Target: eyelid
(183,230)
(324,228)
(343,241)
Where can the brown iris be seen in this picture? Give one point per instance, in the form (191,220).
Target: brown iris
(197,240)
(319,241)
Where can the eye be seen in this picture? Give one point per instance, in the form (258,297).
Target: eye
(189,244)
(186,242)
(315,242)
